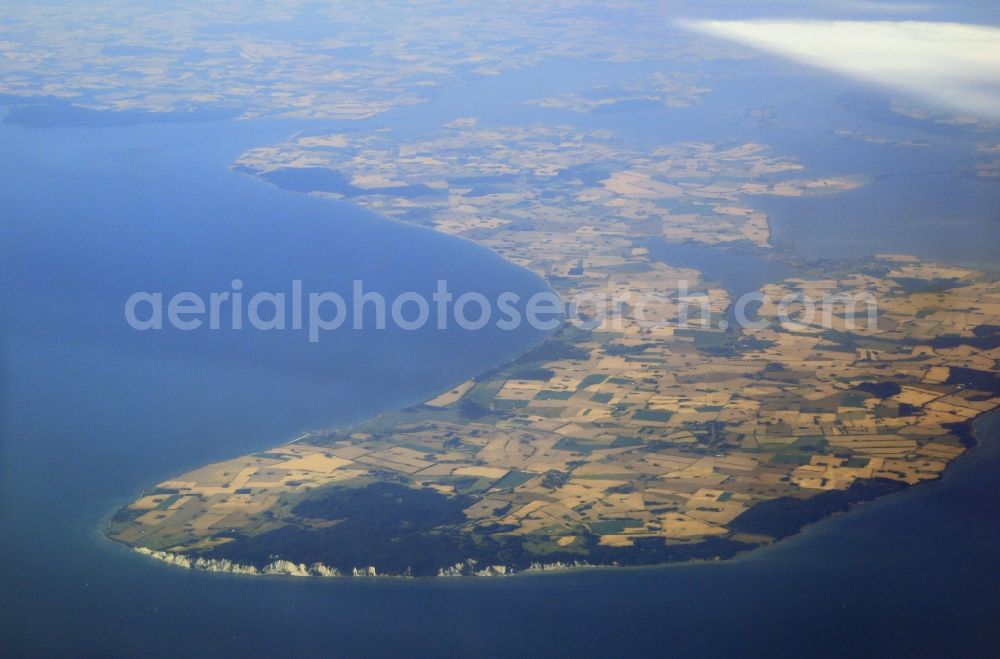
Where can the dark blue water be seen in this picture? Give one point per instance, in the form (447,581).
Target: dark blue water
(93,411)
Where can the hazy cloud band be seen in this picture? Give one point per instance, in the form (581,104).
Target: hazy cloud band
(950,65)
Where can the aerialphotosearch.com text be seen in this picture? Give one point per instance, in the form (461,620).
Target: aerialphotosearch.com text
(319,312)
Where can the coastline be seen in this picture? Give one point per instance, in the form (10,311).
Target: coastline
(287,568)
(283,568)
(844,503)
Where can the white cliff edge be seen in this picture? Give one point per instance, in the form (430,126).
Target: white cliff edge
(468,568)
(277,567)
(281,567)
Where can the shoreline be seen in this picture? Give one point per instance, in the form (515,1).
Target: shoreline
(287,568)
(282,567)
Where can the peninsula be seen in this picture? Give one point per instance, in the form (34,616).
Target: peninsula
(618,444)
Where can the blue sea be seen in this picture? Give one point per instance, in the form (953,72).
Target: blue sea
(91,412)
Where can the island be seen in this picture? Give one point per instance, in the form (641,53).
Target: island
(615,443)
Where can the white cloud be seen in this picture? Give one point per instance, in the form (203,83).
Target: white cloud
(949,65)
